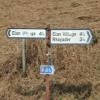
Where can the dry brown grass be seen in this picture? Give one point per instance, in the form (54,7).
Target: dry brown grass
(77,75)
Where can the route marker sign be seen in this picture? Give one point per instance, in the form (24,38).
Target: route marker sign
(47,69)
(71,36)
(26,33)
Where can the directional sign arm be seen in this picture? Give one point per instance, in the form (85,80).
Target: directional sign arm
(26,33)
(74,36)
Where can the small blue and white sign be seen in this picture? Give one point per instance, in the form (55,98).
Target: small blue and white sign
(47,69)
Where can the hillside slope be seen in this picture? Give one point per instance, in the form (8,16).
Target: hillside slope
(77,74)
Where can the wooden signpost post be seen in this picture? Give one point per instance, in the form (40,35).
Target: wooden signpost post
(48,81)
(48,69)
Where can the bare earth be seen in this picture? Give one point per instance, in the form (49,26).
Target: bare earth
(77,74)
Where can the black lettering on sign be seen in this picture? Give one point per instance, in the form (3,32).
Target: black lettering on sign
(54,39)
(65,33)
(82,39)
(56,34)
(82,34)
(69,34)
(33,33)
(68,39)
(41,33)
(24,33)
(15,33)
(73,34)
(62,39)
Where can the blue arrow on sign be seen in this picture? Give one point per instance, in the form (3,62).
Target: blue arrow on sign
(47,69)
